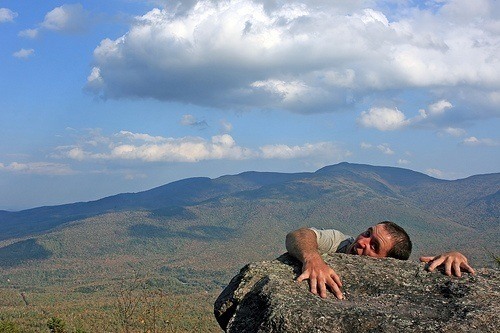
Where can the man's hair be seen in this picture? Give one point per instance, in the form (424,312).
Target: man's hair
(402,244)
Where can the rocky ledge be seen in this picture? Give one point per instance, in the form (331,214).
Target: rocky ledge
(382,295)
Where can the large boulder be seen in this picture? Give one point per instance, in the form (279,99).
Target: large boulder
(382,295)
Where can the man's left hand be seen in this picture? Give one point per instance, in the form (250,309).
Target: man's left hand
(454,263)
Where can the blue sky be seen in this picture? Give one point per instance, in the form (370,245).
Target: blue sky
(104,97)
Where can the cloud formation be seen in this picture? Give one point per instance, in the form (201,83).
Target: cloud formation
(383,147)
(383,119)
(190,120)
(23,53)
(68,18)
(327,150)
(454,131)
(389,119)
(305,56)
(38,168)
(126,145)
(28,33)
(473,141)
(225,126)
(7,15)
(435,172)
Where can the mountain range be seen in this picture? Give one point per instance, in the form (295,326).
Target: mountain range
(227,221)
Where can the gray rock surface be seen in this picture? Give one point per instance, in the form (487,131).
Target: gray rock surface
(382,295)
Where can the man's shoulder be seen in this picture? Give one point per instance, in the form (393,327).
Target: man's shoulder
(330,233)
(332,240)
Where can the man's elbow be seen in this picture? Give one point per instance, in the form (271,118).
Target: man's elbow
(294,237)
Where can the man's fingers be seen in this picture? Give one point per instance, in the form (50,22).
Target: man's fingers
(336,279)
(435,263)
(322,279)
(313,285)
(322,289)
(426,259)
(447,266)
(337,292)
(456,268)
(468,268)
(303,276)
(335,288)
(453,262)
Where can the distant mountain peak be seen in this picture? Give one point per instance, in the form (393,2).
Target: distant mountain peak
(393,175)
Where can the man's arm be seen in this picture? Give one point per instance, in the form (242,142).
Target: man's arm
(303,245)
(453,263)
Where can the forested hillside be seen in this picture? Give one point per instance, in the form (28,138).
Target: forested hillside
(189,237)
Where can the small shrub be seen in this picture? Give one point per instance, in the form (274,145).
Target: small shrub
(8,327)
(79,330)
(56,325)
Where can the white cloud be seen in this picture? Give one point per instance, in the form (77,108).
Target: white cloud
(435,172)
(147,148)
(7,15)
(388,119)
(127,145)
(467,10)
(326,150)
(94,79)
(77,154)
(402,161)
(226,126)
(132,176)
(366,145)
(287,92)
(453,131)
(39,168)
(383,119)
(28,33)
(190,120)
(307,56)
(66,18)
(141,137)
(434,109)
(473,141)
(183,150)
(439,107)
(385,148)
(23,53)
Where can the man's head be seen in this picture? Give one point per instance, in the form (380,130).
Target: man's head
(386,239)
(401,249)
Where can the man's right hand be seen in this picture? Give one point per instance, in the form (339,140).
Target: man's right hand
(321,277)
(453,262)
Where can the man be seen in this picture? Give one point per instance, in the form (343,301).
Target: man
(385,239)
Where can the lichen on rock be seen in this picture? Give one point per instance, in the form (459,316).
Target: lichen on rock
(382,295)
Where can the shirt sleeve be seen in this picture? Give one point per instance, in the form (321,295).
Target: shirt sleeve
(331,241)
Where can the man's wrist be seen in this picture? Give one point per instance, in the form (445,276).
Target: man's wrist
(312,256)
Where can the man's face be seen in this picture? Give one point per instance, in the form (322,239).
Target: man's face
(374,242)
